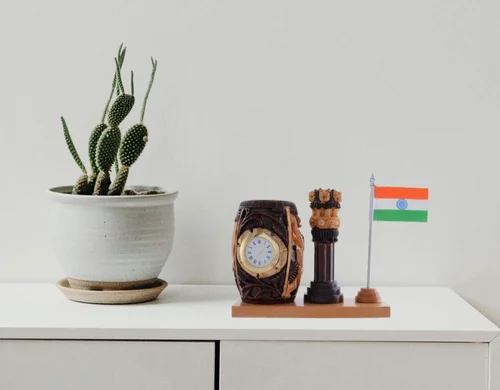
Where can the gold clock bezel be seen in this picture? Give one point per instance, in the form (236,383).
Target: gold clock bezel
(279,257)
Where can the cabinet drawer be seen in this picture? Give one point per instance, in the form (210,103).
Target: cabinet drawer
(353,365)
(84,365)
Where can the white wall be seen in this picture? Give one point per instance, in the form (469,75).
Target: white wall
(327,91)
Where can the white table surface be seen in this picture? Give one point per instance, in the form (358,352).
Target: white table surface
(41,311)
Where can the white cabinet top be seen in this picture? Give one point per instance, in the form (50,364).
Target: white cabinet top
(41,311)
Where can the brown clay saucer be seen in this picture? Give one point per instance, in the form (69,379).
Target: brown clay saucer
(113,297)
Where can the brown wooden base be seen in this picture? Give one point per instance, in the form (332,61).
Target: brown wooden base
(368,295)
(298,309)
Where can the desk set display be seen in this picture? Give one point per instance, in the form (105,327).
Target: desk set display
(268,254)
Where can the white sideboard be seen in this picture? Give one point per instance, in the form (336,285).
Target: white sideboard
(187,340)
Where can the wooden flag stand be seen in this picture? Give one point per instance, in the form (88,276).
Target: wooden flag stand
(323,298)
(369,295)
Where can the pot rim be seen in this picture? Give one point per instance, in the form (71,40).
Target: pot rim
(63,194)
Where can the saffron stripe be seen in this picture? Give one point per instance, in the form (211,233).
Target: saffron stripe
(401,192)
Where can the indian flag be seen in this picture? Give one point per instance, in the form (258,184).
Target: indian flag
(400,204)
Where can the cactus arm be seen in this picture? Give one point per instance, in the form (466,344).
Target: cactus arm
(119,183)
(122,55)
(71,146)
(99,129)
(117,168)
(93,140)
(131,147)
(119,77)
(122,105)
(121,59)
(133,143)
(107,150)
(132,82)
(155,63)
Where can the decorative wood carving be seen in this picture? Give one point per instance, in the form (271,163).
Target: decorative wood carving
(324,222)
(280,223)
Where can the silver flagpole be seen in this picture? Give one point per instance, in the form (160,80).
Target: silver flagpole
(372,185)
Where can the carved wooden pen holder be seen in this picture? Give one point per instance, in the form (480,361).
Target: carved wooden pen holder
(324,222)
(267,251)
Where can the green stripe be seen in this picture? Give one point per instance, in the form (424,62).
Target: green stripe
(400,215)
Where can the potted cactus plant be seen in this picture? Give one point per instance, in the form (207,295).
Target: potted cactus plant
(106,235)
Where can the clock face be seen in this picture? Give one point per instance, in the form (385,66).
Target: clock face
(259,252)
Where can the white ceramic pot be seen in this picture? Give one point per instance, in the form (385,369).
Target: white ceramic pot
(112,242)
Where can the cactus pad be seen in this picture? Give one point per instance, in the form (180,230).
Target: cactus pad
(133,144)
(81,185)
(107,148)
(92,180)
(118,185)
(121,107)
(102,183)
(71,146)
(94,138)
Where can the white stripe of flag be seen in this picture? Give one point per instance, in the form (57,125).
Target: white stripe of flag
(391,204)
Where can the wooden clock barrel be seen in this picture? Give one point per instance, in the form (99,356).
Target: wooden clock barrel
(279,223)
